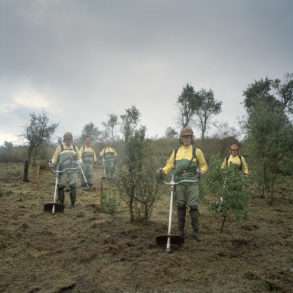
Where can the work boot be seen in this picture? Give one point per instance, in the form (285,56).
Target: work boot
(61,195)
(181,212)
(72,195)
(194,216)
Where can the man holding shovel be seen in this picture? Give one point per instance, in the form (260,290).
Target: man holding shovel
(88,157)
(187,163)
(67,159)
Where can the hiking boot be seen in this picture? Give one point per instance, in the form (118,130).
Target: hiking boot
(194,216)
(72,195)
(61,195)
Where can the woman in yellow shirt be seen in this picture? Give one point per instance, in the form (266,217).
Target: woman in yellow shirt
(235,159)
(187,162)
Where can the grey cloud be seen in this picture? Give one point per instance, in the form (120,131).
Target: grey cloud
(108,55)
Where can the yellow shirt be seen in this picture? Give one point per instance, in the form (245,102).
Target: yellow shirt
(108,150)
(185,153)
(85,149)
(58,151)
(235,160)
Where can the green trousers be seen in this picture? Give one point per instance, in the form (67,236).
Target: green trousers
(187,195)
(88,170)
(109,165)
(68,178)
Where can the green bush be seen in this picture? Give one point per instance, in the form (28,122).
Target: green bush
(231,190)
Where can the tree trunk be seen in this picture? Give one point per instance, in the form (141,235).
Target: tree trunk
(223,223)
(27,165)
(131,207)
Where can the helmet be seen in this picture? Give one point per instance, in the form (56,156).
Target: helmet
(68,136)
(187,131)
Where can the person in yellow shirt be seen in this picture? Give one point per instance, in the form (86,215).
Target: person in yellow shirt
(235,159)
(88,157)
(109,156)
(66,159)
(187,163)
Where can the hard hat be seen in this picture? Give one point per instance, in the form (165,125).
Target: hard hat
(187,131)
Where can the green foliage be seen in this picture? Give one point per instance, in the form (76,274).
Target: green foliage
(129,122)
(188,102)
(231,190)
(92,131)
(270,133)
(208,107)
(171,133)
(38,133)
(201,104)
(109,125)
(110,201)
(136,177)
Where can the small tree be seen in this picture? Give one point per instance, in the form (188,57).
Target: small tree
(37,133)
(231,190)
(208,107)
(110,126)
(270,142)
(269,130)
(136,179)
(171,132)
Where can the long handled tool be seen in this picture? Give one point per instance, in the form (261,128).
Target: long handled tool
(54,207)
(171,240)
(84,177)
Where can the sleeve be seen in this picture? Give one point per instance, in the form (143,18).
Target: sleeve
(80,152)
(102,152)
(203,166)
(223,166)
(115,153)
(244,166)
(56,154)
(169,164)
(95,156)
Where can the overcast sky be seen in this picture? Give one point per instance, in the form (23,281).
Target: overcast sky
(80,60)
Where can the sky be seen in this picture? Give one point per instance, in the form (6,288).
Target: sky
(81,60)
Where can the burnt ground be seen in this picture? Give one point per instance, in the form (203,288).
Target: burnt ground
(85,250)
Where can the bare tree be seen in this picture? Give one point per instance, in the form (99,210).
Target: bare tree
(38,132)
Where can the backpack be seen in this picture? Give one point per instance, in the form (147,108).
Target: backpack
(62,147)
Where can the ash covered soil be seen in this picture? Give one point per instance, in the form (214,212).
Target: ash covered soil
(85,250)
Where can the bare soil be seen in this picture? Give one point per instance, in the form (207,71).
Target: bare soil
(85,250)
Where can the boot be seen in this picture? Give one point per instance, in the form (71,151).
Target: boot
(72,195)
(181,212)
(194,216)
(61,195)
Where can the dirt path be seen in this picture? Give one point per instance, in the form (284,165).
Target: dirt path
(84,250)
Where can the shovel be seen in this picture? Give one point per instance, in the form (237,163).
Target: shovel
(54,207)
(170,240)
